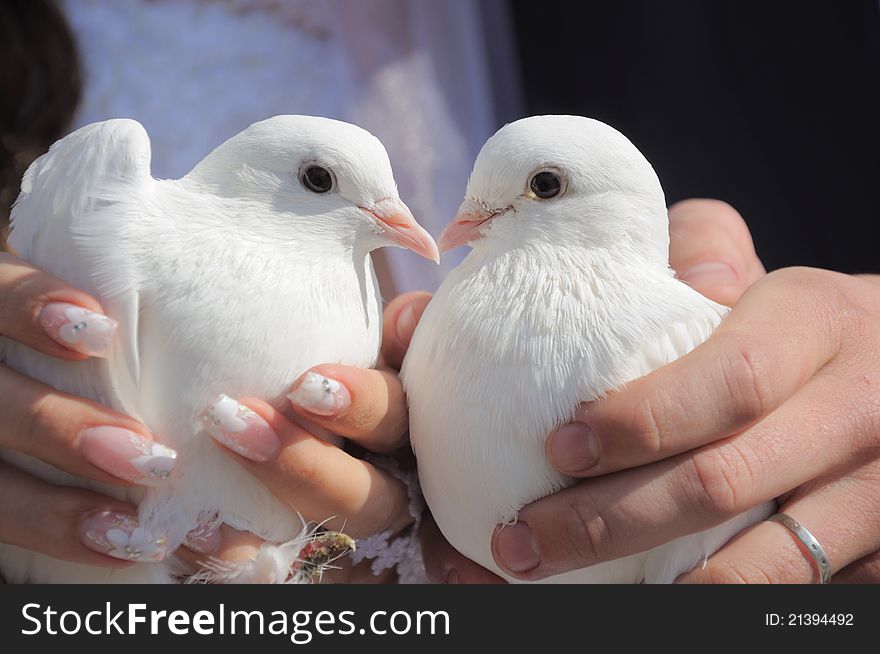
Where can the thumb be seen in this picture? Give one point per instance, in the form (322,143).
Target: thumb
(711,249)
(399,323)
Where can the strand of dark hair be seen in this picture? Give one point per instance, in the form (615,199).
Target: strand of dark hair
(39,89)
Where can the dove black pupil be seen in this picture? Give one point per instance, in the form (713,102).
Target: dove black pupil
(317,179)
(546,185)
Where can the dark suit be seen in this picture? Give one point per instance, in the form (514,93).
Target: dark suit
(772,106)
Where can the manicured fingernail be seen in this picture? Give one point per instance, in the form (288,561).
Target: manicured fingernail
(515,547)
(574,448)
(127,455)
(241,430)
(406,324)
(708,274)
(204,539)
(320,395)
(78,329)
(452,576)
(118,535)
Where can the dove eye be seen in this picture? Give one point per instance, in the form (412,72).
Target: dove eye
(546,184)
(317,179)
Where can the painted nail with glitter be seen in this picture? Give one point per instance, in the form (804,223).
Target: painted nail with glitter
(320,395)
(241,429)
(78,329)
(119,535)
(127,455)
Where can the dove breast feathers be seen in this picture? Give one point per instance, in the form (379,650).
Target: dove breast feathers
(207,303)
(510,345)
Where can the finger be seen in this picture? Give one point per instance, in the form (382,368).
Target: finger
(48,315)
(224,544)
(635,510)
(399,323)
(742,373)
(446,565)
(61,522)
(79,436)
(711,249)
(844,516)
(367,406)
(311,476)
(864,571)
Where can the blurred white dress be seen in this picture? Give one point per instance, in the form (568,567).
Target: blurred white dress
(195,72)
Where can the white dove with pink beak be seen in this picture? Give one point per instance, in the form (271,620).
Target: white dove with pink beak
(567,295)
(234,280)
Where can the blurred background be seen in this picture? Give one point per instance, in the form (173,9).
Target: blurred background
(770,106)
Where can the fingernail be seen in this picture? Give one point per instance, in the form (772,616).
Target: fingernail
(574,448)
(320,395)
(406,324)
(516,548)
(240,429)
(452,576)
(127,455)
(78,329)
(708,274)
(118,535)
(204,539)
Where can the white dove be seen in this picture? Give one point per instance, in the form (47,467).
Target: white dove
(232,280)
(566,295)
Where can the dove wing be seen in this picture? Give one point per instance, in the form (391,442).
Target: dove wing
(682,322)
(76,204)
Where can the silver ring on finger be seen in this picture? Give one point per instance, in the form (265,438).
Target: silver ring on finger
(809,543)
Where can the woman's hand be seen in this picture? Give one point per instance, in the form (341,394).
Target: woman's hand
(317,479)
(783,401)
(70,433)
(89,440)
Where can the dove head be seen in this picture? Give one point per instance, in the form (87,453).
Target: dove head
(315,176)
(562,180)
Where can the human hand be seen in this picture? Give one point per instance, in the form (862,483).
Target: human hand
(317,479)
(70,433)
(781,402)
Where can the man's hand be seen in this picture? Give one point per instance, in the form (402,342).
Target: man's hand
(783,401)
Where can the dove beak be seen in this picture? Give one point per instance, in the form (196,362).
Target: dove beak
(467,226)
(399,225)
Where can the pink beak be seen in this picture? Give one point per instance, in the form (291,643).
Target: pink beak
(401,228)
(467,226)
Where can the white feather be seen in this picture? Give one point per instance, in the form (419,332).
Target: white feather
(559,302)
(231,280)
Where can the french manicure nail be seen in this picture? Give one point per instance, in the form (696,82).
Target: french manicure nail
(516,548)
(127,455)
(708,274)
(240,429)
(320,395)
(574,448)
(119,535)
(78,329)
